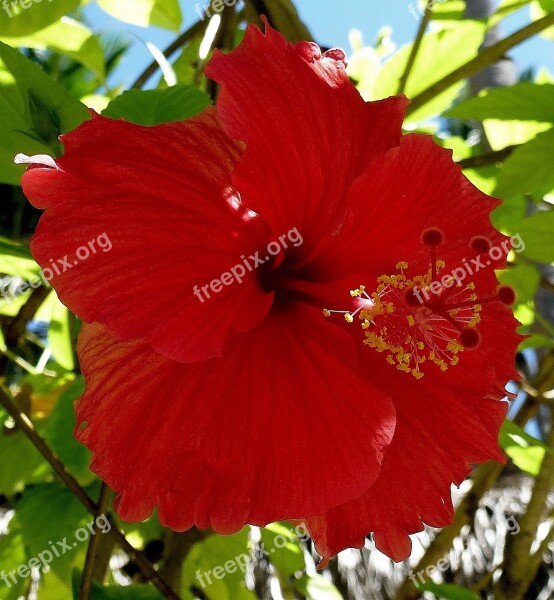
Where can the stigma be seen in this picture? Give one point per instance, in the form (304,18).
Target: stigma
(413,328)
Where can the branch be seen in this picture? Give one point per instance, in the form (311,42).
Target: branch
(177,547)
(486,57)
(515,577)
(537,558)
(261,8)
(415,48)
(25,425)
(185,37)
(484,479)
(16,328)
(547,284)
(94,546)
(483,160)
(223,40)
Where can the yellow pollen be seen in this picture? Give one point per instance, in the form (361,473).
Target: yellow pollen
(414,336)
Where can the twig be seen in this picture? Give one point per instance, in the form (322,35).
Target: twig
(515,577)
(485,477)
(283,17)
(15,329)
(538,557)
(485,581)
(547,284)
(223,41)
(93,546)
(185,37)
(177,547)
(483,160)
(483,59)
(261,8)
(26,426)
(415,48)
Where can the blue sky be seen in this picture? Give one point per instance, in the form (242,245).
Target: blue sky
(330,21)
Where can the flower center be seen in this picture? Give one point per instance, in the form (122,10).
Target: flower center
(423,319)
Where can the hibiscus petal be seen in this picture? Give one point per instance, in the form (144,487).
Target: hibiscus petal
(177,436)
(401,194)
(438,436)
(446,422)
(160,196)
(308,132)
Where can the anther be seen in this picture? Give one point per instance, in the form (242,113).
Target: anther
(480,244)
(433,237)
(506,295)
(413,297)
(470,337)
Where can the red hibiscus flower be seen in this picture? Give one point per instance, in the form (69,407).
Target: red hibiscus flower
(216,389)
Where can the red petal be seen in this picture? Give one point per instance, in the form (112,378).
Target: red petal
(308,132)
(158,195)
(445,423)
(403,193)
(438,435)
(176,436)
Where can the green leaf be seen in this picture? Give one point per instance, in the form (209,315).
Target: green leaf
(526,451)
(11,248)
(34,110)
(162,13)
(460,43)
(536,341)
(131,592)
(484,178)
(506,8)
(537,233)
(184,66)
(12,555)
(501,134)
(284,549)
(448,591)
(519,102)
(66,37)
(30,18)
(449,10)
(29,466)
(59,336)
(59,434)
(541,9)
(526,171)
(50,513)
(216,566)
(19,266)
(317,588)
(524,279)
(152,107)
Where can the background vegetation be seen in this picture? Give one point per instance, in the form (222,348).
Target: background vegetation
(467,92)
